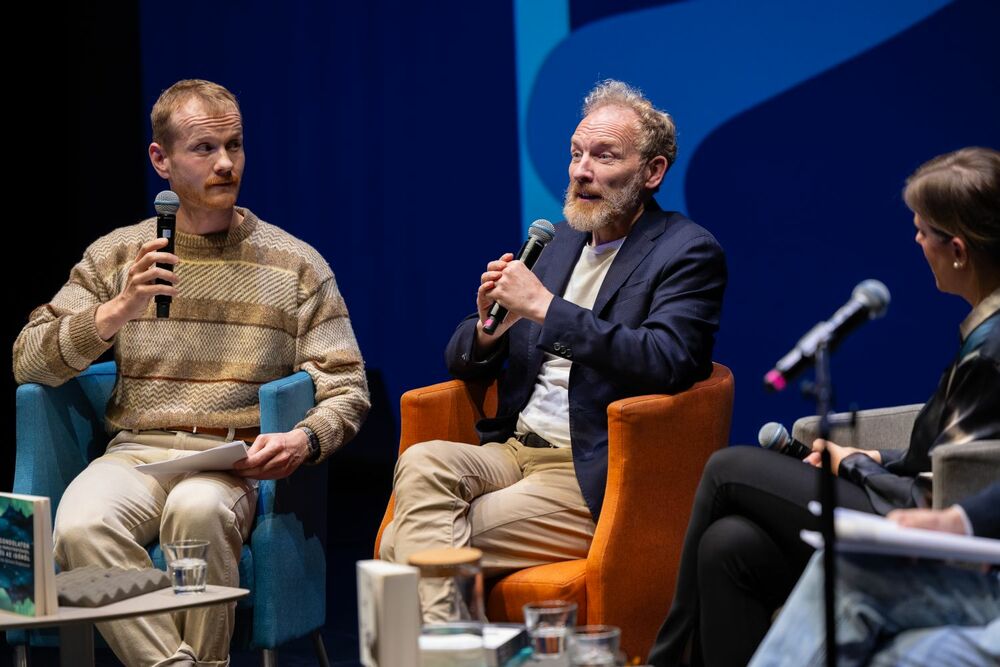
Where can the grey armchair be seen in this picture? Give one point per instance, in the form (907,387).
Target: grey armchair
(959,470)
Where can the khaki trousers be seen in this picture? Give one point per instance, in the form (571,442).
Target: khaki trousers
(521,506)
(110,511)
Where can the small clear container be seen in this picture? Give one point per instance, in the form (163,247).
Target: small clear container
(452,580)
(596,646)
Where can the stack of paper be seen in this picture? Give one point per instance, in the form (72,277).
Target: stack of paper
(870,533)
(221,457)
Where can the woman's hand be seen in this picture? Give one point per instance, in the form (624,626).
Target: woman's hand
(837,454)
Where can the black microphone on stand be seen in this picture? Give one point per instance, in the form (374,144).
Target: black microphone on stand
(539,233)
(869,301)
(166,205)
(775,436)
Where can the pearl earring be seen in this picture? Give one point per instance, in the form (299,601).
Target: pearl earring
(957,265)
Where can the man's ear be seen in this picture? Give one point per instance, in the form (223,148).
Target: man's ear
(158,157)
(657,170)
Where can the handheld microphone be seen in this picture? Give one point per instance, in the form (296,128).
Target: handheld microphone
(539,233)
(869,301)
(775,437)
(166,205)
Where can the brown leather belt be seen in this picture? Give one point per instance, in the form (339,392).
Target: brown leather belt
(534,440)
(247,434)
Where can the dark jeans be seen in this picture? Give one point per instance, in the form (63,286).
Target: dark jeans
(742,554)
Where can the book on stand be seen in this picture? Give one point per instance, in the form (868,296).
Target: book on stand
(27,568)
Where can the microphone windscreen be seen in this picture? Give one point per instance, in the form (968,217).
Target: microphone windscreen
(875,295)
(772,435)
(167,202)
(543,230)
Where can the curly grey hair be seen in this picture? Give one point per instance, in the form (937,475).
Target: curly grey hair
(657,132)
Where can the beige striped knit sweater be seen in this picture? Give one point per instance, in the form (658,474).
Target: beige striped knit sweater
(255,304)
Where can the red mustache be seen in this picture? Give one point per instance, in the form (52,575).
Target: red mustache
(222,181)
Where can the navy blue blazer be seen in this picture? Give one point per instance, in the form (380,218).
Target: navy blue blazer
(651,330)
(983,510)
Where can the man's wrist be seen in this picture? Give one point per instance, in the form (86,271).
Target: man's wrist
(541,308)
(312,441)
(107,319)
(958,521)
(483,343)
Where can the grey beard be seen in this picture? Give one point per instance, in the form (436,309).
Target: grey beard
(613,207)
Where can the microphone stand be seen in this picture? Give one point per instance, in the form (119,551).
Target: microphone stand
(822,392)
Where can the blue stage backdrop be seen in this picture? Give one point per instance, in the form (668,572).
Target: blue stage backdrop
(411,143)
(383,133)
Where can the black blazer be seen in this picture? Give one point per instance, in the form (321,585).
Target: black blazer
(965,408)
(651,330)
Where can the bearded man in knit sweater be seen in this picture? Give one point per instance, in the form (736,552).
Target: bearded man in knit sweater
(251,304)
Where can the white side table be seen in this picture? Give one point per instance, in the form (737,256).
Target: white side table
(76,624)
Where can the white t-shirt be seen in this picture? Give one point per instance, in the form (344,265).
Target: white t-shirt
(547,412)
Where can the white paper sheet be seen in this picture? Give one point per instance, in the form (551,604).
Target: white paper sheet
(221,457)
(869,533)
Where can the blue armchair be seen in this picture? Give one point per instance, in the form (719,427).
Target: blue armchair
(60,429)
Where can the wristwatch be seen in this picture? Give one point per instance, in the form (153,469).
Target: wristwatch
(314,450)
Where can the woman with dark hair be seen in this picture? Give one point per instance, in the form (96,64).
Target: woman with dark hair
(742,553)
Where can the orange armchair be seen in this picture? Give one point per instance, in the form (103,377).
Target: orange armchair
(657,447)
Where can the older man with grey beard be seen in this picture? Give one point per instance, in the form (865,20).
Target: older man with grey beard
(624,301)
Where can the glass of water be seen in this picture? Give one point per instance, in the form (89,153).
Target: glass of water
(186,565)
(595,646)
(549,622)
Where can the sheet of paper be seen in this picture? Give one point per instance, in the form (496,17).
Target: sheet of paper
(221,457)
(869,533)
